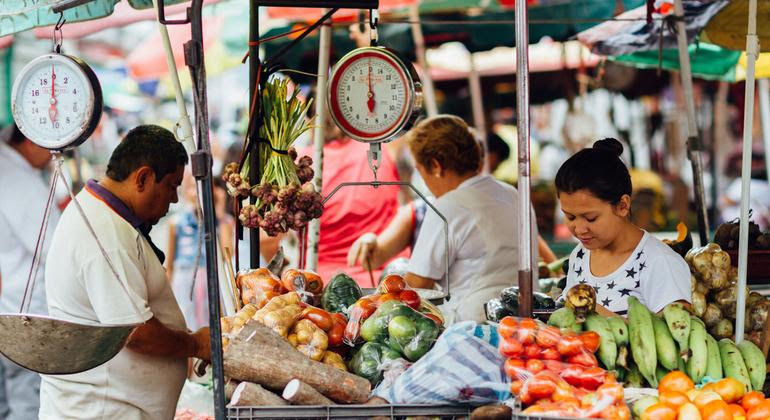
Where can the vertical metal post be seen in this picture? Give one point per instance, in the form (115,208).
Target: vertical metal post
(477,100)
(522,125)
(254,174)
(324,47)
(752,51)
(202,163)
(693,141)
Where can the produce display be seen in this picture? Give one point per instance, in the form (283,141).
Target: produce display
(727,234)
(286,199)
(715,292)
(659,344)
(555,372)
(678,398)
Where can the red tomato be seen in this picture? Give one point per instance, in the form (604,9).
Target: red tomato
(554,365)
(527,330)
(411,298)
(507,327)
(584,359)
(319,317)
(336,333)
(535,365)
(608,391)
(550,354)
(538,387)
(510,347)
(387,296)
(516,387)
(569,345)
(590,341)
(532,351)
(515,368)
(393,283)
(548,336)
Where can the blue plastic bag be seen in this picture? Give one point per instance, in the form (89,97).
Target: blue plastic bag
(463,367)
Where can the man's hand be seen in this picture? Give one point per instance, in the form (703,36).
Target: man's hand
(202,339)
(362,251)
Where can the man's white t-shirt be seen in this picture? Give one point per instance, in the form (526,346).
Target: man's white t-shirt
(653,273)
(483,219)
(82,288)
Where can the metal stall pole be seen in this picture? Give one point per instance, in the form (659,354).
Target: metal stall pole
(254,175)
(428,91)
(522,125)
(752,51)
(477,101)
(324,47)
(201,168)
(693,141)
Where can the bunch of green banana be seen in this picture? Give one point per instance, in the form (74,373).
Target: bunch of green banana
(564,318)
(642,338)
(608,348)
(678,320)
(620,333)
(699,355)
(733,363)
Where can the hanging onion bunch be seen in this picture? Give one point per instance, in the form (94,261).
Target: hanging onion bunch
(286,199)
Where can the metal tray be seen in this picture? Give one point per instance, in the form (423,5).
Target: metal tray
(350,411)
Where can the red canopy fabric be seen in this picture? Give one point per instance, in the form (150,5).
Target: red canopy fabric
(302,13)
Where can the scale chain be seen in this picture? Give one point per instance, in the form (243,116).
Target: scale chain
(29,288)
(101,248)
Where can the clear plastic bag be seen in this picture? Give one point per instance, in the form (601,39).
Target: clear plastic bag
(371,360)
(281,312)
(392,288)
(547,394)
(402,329)
(464,367)
(307,284)
(309,339)
(526,338)
(258,286)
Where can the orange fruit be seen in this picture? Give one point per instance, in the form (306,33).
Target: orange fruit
(760,411)
(705,397)
(730,389)
(688,411)
(659,411)
(673,399)
(676,381)
(751,399)
(736,410)
(716,410)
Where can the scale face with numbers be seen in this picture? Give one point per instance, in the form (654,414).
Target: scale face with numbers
(56,101)
(373,95)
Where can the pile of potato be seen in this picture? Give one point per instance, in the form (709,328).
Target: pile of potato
(714,294)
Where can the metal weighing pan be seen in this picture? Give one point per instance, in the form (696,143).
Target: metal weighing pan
(52,346)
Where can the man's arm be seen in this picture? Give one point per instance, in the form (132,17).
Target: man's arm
(419,282)
(155,339)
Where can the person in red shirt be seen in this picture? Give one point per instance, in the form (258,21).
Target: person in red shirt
(354,209)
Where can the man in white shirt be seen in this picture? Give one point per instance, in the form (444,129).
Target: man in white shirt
(24,191)
(145,379)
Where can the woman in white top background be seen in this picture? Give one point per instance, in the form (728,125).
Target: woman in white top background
(614,256)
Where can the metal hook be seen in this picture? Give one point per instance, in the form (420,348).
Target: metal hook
(58,36)
(374,19)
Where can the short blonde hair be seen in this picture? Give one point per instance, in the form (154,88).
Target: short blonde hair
(448,139)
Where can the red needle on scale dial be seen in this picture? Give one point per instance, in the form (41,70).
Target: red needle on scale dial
(52,112)
(370,102)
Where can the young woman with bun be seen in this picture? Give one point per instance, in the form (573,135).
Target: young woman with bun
(614,256)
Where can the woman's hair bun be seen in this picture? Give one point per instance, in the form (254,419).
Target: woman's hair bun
(611,145)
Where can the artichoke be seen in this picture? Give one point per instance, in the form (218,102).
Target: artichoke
(758,314)
(712,315)
(581,298)
(698,304)
(723,329)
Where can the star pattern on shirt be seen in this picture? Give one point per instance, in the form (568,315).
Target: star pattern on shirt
(625,292)
(611,285)
(580,253)
(636,286)
(582,281)
(606,302)
(596,289)
(579,271)
(642,266)
(639,255)
(631,273)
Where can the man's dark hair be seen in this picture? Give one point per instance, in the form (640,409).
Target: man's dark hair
(496,145)
(146,145)
(16,137)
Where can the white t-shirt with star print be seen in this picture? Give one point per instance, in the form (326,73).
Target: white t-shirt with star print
(654,274)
